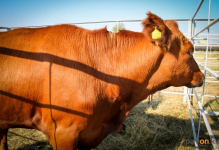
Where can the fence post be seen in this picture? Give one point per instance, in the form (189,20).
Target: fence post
(190,34)
(185,95)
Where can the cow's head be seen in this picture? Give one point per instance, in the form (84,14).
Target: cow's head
(178,66)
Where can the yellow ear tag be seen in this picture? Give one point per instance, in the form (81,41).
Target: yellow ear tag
(156,34)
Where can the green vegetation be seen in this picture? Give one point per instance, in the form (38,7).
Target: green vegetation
(117,27)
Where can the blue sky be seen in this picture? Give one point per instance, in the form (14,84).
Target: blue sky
(20,13)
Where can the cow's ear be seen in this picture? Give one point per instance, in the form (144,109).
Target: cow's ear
(155,28)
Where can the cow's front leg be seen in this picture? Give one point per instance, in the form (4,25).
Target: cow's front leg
(3,139)
(63,139)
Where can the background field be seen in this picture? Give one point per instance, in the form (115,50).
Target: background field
(163,123)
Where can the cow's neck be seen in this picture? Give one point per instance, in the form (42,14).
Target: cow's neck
(135,72)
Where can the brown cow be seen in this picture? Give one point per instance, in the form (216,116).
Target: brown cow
(77,86)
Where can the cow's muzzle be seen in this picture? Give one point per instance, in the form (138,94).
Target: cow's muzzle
(197,81)
(196,85)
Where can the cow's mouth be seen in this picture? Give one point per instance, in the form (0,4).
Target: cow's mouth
(195,85)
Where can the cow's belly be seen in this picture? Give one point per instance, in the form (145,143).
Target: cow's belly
(14,114)
(18,112)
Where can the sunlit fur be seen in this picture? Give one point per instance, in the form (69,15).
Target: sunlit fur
(77,86)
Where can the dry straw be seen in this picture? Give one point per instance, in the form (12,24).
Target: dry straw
(162,124)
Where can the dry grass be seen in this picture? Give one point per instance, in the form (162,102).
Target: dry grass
(163,124)
(27,139)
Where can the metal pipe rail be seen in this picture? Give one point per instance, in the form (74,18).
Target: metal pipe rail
(208,26)
(104,22)
(205,38)
(207,58)
(193,125)
(209,33)
(204,52)
(209,45)
(213,63)
(176,93)
(213,140)
(209,77)
(199,6)
(204,70)
(209,70)
(4,28)
(212,81)
(212,113)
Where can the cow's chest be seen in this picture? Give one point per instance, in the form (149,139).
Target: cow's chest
(101,128)
(109,113)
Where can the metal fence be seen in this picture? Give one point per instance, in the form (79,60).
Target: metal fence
(192,36)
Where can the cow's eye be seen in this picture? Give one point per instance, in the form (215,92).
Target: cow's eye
(190,53)
(183,39)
